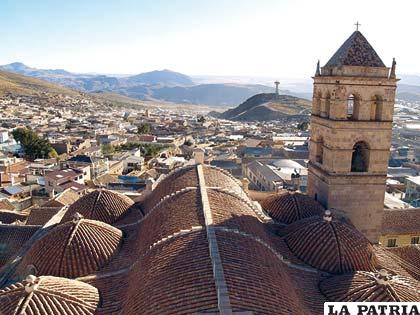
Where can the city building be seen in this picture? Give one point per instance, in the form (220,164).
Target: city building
(412,190)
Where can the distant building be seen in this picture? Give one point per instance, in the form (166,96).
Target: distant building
(412,190)
(400,227)
(276,174)
(58,181)
(4,135)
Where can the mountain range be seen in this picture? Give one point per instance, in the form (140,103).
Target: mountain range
(163,85)
(170,86)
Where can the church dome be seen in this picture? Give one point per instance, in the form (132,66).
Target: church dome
(49,295)
(330,245)
(73,249)
(102,205)
(288,207)
(363,286)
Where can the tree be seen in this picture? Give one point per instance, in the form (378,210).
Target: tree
(33,146)
(144,129)
(303,126)
(107,149)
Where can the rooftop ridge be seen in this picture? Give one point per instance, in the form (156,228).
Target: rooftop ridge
(218,273)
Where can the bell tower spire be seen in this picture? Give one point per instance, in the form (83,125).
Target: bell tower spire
(351,126)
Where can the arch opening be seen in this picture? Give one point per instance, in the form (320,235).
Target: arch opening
(327,105)
(353,103)
(377,108)
(319,151)
(360,157)
(317,104)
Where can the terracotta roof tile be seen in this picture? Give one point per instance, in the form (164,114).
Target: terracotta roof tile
(288,207)
(404,221)
(41,215)
(215,177)
(333,246)
(73,249)
(175,181)
(363,286)
(12,238)
(102,205)
(8,217)
(257,279)
(49,296)
(179,212)
(179,279)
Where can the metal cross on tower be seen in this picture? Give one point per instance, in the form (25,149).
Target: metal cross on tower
(357,25)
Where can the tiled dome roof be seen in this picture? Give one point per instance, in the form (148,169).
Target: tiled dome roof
(363,286)
(49,295)
(73,249)
(330,245)
(102,205)
(288,207)
(176,180)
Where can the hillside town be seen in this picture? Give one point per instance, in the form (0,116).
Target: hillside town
(121,203)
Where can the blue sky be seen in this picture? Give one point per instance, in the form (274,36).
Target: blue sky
(275,38)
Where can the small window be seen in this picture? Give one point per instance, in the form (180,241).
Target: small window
(392,242)
(415,240)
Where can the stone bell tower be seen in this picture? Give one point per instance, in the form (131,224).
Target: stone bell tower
(351,125)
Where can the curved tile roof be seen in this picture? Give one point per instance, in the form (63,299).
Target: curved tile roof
(179,278)
(231,211)
(363,286)
(330,245)
(408,258)
(288,207)
(177,212)
(257,279)
(102,205)
(176,180)
(12,238)
(215,177)
(356,51)
(73,249)
(49,296)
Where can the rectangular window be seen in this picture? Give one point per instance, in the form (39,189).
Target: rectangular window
(392,242)
(415,240)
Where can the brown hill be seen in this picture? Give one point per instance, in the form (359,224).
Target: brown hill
(23,85)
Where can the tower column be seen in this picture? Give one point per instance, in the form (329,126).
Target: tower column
(351,127)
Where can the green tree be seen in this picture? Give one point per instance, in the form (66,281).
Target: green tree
(107,149)
(144,129)
(33,146)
